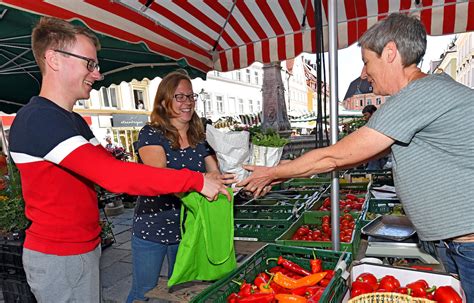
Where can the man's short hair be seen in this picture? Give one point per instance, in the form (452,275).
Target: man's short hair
(407,32)
(53,33)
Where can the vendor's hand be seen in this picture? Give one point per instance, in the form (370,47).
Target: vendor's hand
(212,187)
(225,178)
(258,182)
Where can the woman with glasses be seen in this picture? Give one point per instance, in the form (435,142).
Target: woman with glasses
(174,138)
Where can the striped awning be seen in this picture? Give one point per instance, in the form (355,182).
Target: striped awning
(232,34)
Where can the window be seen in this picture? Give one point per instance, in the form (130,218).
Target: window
(220,104)
(378,101)
(361,102)
(251,105)
(259,108)
(369,101)
(241,106)
(232,104)
(109,96)
(247,75)
(82,103)
(238,77)
(139,97)
(256,77)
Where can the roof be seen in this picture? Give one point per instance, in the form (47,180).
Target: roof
(357,87)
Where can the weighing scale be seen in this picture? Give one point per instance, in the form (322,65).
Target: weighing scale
(378,247)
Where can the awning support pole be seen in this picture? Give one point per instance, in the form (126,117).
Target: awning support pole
(332,22)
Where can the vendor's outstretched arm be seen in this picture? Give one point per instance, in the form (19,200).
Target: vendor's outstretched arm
(351,150)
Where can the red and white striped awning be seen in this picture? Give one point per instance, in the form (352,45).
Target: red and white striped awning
(231,34)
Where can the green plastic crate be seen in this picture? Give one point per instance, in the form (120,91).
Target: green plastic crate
(220,290)
(317,182)
(315,217)
(263,230)
(264,212)
(379,206)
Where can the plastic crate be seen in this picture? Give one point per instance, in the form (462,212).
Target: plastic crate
(11,264)
(379,206)
(292,194)
(315,217)
(264,212)
(264,230)
(17,291)
(220,290)
(313,183)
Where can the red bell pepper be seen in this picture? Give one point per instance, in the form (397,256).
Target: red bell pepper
(290,266)
(257,298)
(351,197)
(330,273)
(446,294)
(389,283)
(360,288)
(261,278)
(316,264)
(324,282)
(246,289)
(315,297)
(420,288)
(368,278)
(232,298)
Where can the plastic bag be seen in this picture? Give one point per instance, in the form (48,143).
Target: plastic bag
(206,251)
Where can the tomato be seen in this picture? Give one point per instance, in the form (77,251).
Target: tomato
(348,217)
(326,219)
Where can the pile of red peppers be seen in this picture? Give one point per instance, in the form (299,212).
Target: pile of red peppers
(368,283)
(285,282)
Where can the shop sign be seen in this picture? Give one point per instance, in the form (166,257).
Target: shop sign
(123,120)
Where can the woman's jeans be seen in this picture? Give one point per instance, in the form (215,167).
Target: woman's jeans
(459,259)
(147,259)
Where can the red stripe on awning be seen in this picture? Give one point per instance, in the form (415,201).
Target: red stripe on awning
(448,16)
(290,15)
(271,19)
(425,16)
(470,17)
(382,9)
(281,45)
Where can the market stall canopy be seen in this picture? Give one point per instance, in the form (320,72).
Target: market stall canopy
(227,35)
(119,60)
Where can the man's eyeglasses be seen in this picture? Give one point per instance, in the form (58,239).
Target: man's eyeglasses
(182,97)
(91,63)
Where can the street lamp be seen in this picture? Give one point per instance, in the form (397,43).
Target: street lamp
(204,97)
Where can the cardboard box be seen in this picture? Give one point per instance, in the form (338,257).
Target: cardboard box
(405,276)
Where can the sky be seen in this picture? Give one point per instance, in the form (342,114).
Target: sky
(350,62)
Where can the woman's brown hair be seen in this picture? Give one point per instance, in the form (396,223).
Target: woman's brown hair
(163,110)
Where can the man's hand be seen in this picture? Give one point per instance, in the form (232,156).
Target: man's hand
(258,181)
(212,187)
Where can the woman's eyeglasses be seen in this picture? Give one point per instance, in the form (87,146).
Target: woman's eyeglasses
(91,63)
(182,97)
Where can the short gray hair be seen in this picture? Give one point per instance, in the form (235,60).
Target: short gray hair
(407,32)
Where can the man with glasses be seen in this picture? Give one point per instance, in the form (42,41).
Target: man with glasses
(60,160)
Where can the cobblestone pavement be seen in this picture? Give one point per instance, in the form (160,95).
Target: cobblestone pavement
(116,261)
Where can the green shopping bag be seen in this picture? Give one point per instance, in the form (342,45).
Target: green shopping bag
(206,251)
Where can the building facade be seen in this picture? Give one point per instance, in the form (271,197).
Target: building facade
(465,59)
(359,94)
(121,110)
